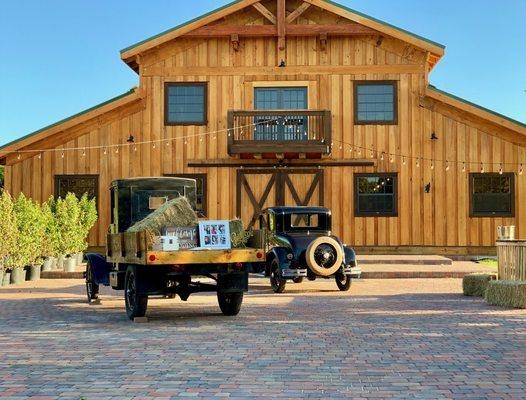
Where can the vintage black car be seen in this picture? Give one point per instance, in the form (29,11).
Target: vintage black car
(299,244)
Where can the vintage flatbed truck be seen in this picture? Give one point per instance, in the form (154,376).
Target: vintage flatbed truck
(132,265)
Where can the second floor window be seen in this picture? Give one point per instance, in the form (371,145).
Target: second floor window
(375,103)
(186,103)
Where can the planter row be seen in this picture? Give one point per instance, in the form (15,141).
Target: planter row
(32,272)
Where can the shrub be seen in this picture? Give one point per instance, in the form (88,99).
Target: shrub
(8,227)
(476,284)
(507,293)
(52,237)
(67,214)
(88,217)
(29,222)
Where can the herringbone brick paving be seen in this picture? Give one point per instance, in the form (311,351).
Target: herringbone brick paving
(385,339)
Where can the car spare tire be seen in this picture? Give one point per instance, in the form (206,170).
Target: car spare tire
(324,256)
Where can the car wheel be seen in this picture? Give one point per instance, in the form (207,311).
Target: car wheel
(343,282)
(92,288)
(136,304)
(230,303)
(324,256)
(276,280)
(298,279)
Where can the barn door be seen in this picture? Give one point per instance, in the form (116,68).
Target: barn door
(259,189)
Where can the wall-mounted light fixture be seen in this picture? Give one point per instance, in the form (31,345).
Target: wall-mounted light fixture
(427,188)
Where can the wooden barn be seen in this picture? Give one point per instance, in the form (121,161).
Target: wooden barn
(295,102)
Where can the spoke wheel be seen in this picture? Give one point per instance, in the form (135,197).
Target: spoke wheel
(276,280)
(343,282)
(136,304)
(230,303)
(92,288)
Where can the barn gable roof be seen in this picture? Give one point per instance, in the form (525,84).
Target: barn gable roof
(435,49)
(66,123)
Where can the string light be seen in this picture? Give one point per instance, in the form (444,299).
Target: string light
(117,150)
(153,145)
(482,168)
(39,156)
(432,165)
(447,166)
(501,170)
(417,163)
(464,167)
(521,170)
(84,153)
(62,156)
(403,160)
(105,151)
(391,159)
(382,157)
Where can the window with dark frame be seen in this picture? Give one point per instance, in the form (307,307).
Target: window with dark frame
(492,195)
(201,195)
(186,103)
(78,185)
(375,195)
(375,102)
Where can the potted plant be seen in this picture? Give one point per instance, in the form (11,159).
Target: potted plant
(51,239)
(88,217)
(28,244)
(68,219)
(9,231)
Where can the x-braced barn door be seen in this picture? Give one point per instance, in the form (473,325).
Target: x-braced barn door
(258,189)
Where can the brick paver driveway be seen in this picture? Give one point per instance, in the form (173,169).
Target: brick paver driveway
(386,338)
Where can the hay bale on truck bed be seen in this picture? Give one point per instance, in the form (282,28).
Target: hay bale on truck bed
(507,294)
(177,212)
(476,284)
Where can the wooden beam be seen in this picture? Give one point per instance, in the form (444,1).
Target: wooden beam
(272,30)
(297,12)
(229,163)
(265,12)
(169,72)
(282,27)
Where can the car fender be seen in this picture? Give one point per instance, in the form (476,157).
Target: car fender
(350,255)
(100,268)
(280,253)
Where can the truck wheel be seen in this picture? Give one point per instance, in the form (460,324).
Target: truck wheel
(276,280)
(135,304)
(92,288)
(230,303)
(298,280)
(343,282)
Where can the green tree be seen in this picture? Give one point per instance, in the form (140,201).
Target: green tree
(30,226)
(52,238)
(1,176)
(88,217)
(8,227)
(67,213)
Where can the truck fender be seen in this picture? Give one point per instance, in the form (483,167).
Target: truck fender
(280,253)
(100,268)
(349,255)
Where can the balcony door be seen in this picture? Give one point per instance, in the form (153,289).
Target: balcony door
(283,127)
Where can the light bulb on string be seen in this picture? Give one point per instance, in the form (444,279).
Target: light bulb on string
(84,153)
(153,145)
(167,144)
(62,155)
(464,167)
(391,159)
(117,150)
(521,170)
(105,151)
(134,148)
(482,170)
(501,171)
(403,160)
(382,157)
(447,165)
(40,156)
(417,163)
(18,156)
(432,165)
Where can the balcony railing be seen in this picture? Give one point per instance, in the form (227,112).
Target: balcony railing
(279,132)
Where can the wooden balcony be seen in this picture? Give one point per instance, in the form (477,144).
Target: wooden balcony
(279,133)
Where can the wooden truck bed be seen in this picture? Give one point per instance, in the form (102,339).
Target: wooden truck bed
(132,248)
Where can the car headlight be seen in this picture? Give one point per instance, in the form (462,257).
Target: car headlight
(290,256)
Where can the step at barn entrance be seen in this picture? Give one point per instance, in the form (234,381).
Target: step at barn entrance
(258,189)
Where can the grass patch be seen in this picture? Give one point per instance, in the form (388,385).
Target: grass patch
(489,262)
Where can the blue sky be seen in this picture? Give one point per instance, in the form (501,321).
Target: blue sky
(59,57)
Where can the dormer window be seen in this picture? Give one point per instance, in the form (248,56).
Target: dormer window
(375,103)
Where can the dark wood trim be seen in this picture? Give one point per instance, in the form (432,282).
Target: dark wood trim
(473,214)
(393,176)
(276,164)
(189,123)
(395,102)
(350,29)
(204,177)
(70,176)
